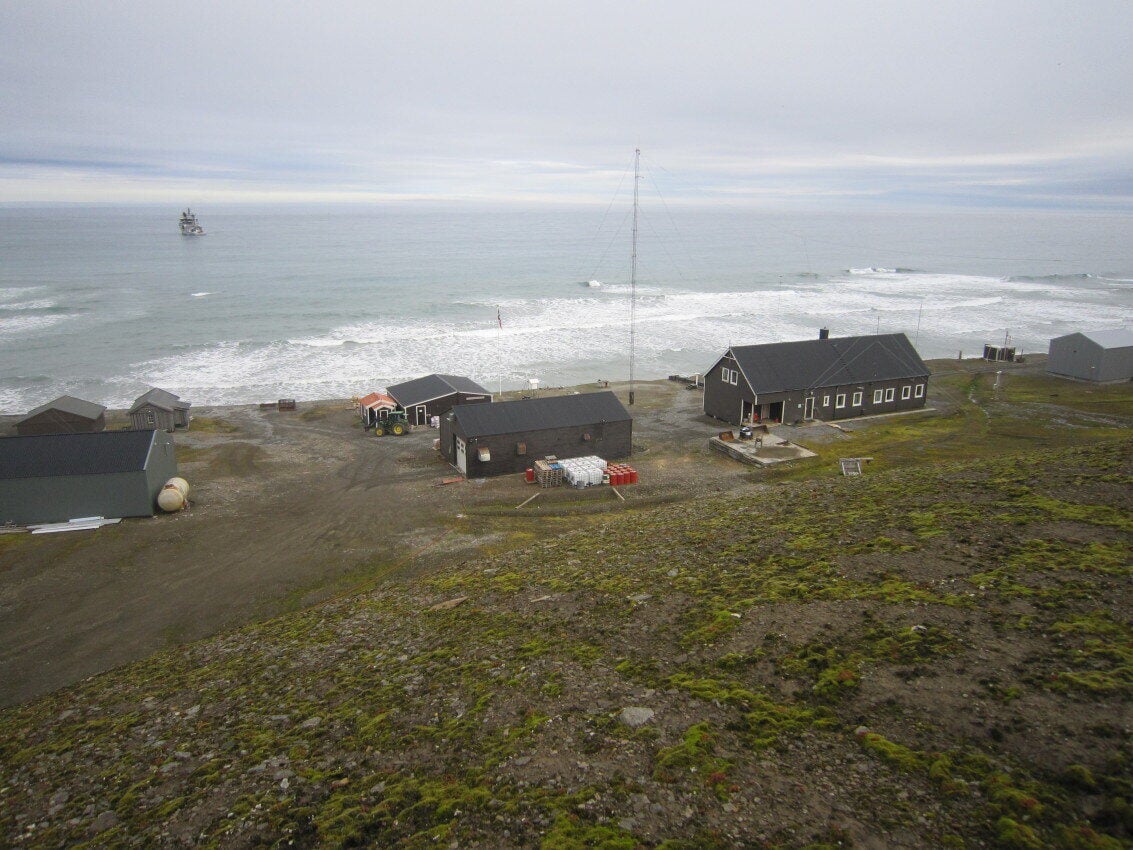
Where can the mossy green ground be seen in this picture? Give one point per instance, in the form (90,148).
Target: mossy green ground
(936,654)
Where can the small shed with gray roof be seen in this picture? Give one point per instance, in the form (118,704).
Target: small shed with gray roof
(158,408)
(436,395)
(57,477)
(1093,355)
(64,415)
(820,378)
(497,439)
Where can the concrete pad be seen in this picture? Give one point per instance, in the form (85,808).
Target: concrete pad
(766,452)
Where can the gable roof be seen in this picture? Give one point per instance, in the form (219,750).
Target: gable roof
(538,414)
(1116,338)
(375,400)
(421,390)
(814,363)
(50,455)
(69,404)
(160,398)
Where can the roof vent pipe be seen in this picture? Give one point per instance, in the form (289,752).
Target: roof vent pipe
(824,333)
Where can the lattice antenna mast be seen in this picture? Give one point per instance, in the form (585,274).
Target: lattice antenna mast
(633,274)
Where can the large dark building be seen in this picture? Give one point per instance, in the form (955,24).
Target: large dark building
(820,378)
(436,395)
(496,439)
(57,477)
(64,415)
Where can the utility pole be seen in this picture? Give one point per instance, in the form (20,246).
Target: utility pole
(633,275)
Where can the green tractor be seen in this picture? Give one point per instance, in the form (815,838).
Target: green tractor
(397,423)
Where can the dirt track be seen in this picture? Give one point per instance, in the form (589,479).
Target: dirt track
(287,509)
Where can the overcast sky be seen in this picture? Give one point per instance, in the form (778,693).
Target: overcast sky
(976,103)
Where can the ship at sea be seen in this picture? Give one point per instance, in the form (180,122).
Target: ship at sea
(189,224)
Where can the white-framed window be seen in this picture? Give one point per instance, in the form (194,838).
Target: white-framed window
(877,396)
(826,401)
(735,377)
(726,375)
(906,392)
(889,394)
(857,402)
(919,391)
(840,400)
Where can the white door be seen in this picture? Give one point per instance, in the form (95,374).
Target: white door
(461,456)
(808,407)
(422,416)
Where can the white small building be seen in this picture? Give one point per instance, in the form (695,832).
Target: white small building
(1093,355)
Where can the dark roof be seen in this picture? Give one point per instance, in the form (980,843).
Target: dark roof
(159,398)
(72,405)
(421,390)
(538,414)
(815,363)
(50,455)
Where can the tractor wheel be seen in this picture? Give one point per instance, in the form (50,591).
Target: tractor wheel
(378,431)
(398,429)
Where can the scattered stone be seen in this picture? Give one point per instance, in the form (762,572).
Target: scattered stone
(634,716)
(449,603)
(638,598)
(311,722)
(106,820)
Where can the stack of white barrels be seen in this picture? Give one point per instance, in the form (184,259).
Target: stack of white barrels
(583,471)
(174,495)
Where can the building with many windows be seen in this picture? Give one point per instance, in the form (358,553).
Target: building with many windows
(820,378)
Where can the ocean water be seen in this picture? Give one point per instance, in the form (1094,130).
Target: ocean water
(315,302)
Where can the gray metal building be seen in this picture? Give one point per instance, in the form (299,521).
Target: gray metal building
(57,477)
(497,439)
(820,378)
(1093,355)
(64,415)
(436,395)
(158,408)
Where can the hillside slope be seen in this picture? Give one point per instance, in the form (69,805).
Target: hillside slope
(926,658)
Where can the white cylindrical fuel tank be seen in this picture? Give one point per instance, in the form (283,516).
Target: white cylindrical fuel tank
(174,495)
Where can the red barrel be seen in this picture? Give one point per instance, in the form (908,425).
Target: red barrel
(633,476)
(529,474)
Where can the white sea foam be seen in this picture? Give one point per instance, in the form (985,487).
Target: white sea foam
(201,294)
(555,338)
(25,324)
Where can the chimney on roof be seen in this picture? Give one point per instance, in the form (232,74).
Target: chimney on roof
(824,333)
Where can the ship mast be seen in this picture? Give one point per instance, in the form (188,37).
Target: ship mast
(633,274)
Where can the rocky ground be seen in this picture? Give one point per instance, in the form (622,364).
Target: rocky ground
(938,653)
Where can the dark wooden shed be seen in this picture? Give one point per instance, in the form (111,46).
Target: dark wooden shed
(64,415)
(825,378)
(436,395)
(482,440)
(158,408)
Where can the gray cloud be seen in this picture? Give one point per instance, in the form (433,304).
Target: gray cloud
(876,99)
